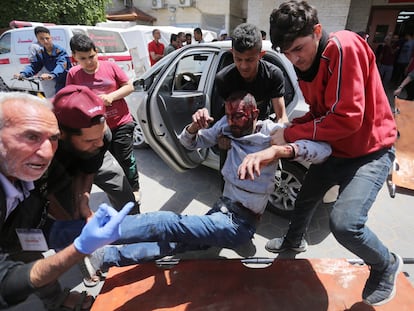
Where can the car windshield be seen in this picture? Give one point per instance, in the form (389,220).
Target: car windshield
(107,41)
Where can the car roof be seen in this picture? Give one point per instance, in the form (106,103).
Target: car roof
(226,44)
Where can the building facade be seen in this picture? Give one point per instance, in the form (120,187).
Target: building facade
(376,17)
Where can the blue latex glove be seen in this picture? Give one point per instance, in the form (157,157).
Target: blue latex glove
(104,228)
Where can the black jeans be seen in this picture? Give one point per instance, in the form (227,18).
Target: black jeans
(122,148)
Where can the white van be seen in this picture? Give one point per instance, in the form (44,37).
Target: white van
(15,44)
(137,38)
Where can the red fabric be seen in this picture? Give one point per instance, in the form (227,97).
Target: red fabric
(348,106)
(157,48)
(227,284)
(108,78)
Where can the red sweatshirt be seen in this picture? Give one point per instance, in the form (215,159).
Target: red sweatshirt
(348,106)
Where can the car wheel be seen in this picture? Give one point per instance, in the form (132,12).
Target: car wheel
(289,178)
(139,141)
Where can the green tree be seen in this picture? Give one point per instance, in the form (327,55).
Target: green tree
(83,12)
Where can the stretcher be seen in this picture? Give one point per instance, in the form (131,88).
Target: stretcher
(250,284)
(402,172)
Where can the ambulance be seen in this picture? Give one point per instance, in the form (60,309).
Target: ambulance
(15,45)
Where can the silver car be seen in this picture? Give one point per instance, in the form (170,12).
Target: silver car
(169,93)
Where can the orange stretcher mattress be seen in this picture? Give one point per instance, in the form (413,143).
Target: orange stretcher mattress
(403,171)
(227,284)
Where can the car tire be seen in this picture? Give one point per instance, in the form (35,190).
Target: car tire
(289,179)
(138,136)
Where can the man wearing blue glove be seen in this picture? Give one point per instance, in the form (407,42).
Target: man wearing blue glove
(28,140)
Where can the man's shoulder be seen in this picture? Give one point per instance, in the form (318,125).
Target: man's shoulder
(228,71)
(343,37)
(269,68)
(75,69)
(342,41)
(106,64)
(59,49)
(266,126)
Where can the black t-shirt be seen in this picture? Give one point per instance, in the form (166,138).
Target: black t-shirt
(269,83)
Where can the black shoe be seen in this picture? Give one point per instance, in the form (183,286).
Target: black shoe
(279,245)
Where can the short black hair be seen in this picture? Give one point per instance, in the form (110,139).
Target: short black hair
(41,29)
(198,30)
(173,37)
(99,119)
(81,43)
(293,19)
(245,37)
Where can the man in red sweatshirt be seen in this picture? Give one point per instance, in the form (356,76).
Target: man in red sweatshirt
(348,109)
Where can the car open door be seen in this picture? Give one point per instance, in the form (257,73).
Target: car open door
(179,91)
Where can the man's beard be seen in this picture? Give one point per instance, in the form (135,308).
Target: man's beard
(81,154)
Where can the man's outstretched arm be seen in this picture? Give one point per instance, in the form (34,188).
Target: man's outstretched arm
(301,150)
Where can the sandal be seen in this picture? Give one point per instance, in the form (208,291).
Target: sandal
(91,277)
(59,304)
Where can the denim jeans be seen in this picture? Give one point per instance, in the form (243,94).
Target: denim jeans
(61,233)
(154,235)
(359,181)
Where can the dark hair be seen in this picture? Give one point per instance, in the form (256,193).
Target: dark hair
(293,19)
(198,30)
(188,35)
(245,37)
(99,119)
(81,43)
(173,37)
(263,33)
(40,29)
(155,30)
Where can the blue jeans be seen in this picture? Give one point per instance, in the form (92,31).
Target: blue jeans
(359,181)
(154,235)
(61,233)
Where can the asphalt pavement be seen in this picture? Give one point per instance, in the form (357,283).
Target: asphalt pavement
(195,191)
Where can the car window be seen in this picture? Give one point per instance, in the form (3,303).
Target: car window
(107,41)
(181,90)
(189,71)
(5,44)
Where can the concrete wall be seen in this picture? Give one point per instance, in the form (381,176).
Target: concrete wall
(332,14)
(223,13)
(358,15)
